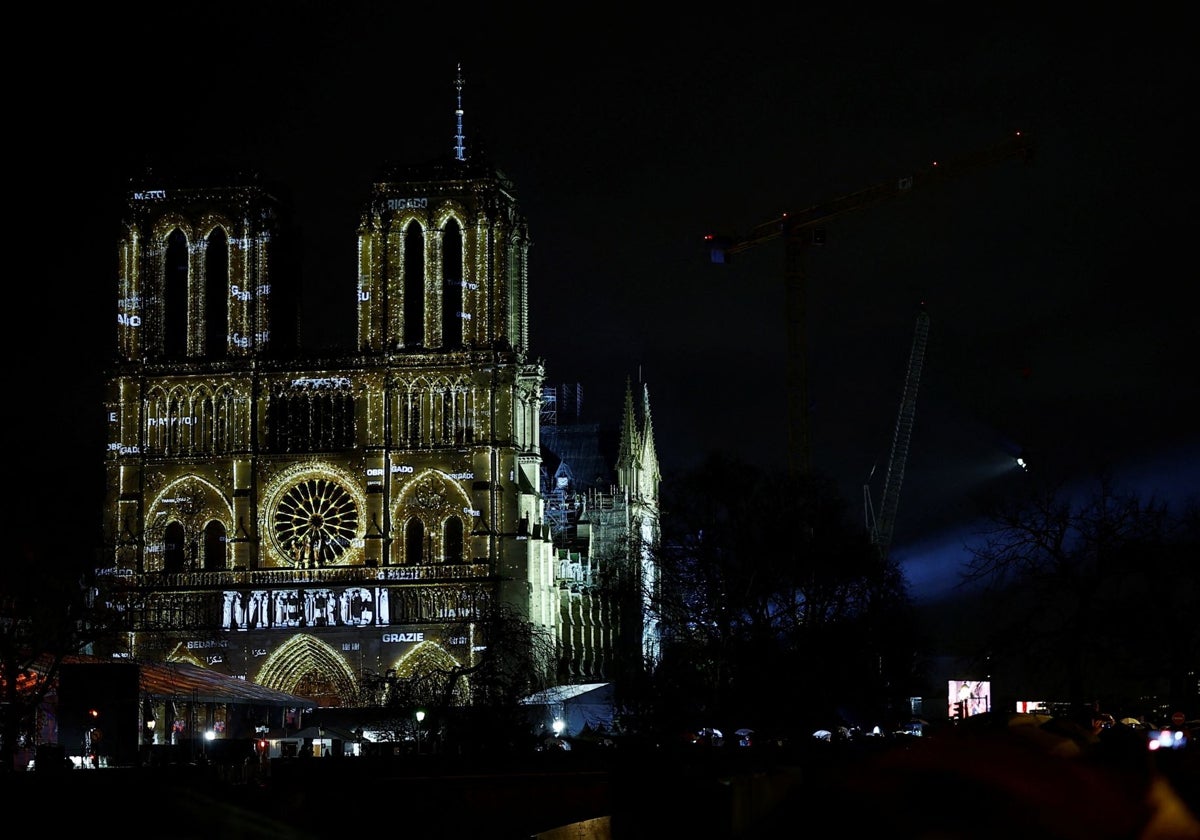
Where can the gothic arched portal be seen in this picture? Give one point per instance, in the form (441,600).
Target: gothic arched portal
(429,662)
(307,667)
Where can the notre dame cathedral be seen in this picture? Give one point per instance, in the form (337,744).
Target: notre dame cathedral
(303,520)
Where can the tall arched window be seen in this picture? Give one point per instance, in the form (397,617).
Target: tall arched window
(513,278)
(452,540)
(174,556)
(214,546)
(216,294)
(453,310)
(414,286)
(175,292)
(414,542)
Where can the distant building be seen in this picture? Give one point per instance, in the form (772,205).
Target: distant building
(303,521)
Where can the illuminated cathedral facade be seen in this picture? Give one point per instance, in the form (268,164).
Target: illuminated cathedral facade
(304,520)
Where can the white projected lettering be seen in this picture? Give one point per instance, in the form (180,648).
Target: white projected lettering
(407,203)
(206,643)
(402,637)
(115,572)
(324,382)
(354,606)
(239,340)
(238,293)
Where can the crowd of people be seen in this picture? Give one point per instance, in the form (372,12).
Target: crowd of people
(1093,776)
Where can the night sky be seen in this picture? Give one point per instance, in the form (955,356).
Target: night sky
(1058,291)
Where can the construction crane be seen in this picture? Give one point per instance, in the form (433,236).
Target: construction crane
(881,529)
(800,230)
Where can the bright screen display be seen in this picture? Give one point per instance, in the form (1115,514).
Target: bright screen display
(969,697)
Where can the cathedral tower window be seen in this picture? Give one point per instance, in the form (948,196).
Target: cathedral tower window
(513,282)
(453,299)
(175,290)
(216,295)
(414,286)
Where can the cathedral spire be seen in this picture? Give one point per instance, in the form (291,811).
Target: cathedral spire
(628,444)
(649,453)
(460,148)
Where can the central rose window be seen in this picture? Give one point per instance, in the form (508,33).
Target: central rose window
(315,522)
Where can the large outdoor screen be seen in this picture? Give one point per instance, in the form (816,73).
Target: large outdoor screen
(969,697)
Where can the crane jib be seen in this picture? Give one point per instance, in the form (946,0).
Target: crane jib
(1016,146)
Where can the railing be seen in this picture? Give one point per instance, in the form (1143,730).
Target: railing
(275,578)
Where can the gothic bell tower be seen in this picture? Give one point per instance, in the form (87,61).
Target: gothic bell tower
(196,270)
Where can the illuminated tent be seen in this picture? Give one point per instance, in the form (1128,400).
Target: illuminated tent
(324,740)
(578,706)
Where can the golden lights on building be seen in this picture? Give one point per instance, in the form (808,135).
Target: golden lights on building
(301,521)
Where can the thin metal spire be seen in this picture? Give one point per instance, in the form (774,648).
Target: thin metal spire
(460,149)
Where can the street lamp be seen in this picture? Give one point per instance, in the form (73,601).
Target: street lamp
(150,722)
(420,718)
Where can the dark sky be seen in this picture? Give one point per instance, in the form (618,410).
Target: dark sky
(1059,291)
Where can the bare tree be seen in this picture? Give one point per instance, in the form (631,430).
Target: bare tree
(767,574)
(477,702)
(1092,594)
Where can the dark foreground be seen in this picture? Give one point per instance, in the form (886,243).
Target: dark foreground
(1003,784)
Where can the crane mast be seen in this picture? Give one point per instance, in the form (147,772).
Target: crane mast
(797,231)
(881,529)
